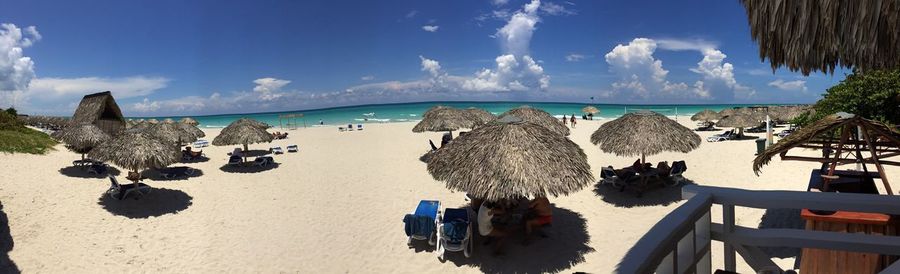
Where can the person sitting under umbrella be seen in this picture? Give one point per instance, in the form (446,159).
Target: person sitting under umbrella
(539,214)
(486,215)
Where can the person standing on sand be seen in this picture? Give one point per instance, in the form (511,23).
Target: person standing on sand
(564,120)
(573,120)
(539,214)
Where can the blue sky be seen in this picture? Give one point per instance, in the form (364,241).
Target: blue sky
(208,57)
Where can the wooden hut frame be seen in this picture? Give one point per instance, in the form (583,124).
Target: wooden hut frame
(101,110)
(857,136)
(290,120)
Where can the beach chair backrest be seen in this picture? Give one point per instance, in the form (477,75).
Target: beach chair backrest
(114,183)
(607,173)
(433,147)
(678,167)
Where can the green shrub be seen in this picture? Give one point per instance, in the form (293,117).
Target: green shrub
(25,140)
(9,121)
(874,95)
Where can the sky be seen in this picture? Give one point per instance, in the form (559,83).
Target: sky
(214,57)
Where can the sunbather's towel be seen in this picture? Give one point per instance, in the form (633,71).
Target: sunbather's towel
(455,230)
(418,225)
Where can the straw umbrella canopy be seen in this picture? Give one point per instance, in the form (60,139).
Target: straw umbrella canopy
(81,138)
(244,131)
(740,121)
(480,116)
(169,132)
(441,118)
(820,35)
(727,112)
(644,133)
(537,116)
(510,158)
(590,110)
(705,115)
(189,121)
(191,129)
(153,121)
(252,122)
(136,151)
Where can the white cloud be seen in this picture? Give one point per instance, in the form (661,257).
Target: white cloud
(431,66)
(367,78)
(556,9)
(575,57)
(719,77)
(269,88)
(515,36)
(126,87)
(430,28)
(796,85)
(639,71)
(16,69)
(499,2)
(684,44)
(412,14)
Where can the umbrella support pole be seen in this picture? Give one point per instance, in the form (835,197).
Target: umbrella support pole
(244,153)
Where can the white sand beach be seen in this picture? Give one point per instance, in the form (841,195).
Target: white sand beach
(336,207)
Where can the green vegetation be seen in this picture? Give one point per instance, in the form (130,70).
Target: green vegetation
(16,138)
(874,95)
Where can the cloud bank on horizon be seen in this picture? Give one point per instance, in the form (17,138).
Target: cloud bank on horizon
(634,71)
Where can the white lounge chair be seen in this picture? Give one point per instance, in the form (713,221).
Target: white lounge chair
(264,160)
(454,221)
(277,150)
(359,127)
(119,192)
(293,148)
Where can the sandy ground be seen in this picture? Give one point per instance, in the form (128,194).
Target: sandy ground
(334,207)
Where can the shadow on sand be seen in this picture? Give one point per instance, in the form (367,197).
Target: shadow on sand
(158,202)
(6,245)
(78,172)
(566,245)
(200,159)
(248,168)
(781,218)
(656,195)
(154,175)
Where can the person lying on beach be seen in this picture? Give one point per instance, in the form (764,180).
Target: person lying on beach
(486,214)
(539,214)
(663,168)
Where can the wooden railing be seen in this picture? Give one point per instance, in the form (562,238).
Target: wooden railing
(666,248)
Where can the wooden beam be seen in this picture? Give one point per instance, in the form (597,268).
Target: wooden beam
(845,134)
(856,202)
(754,257)
(887,185)
(782,237)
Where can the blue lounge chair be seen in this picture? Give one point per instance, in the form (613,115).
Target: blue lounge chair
(263,161)
(455,232)
(97,168)
(277,150)
(422,223)
(119,192)
(235,160)
(359,127)
(678,168)
(174,172)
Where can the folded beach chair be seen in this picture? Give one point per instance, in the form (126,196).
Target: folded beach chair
(359,127)
(234,160)
(277,150)
(422,223)
(293,148)
(174,172)
(455,232)
(262,161)
(678,168)
(119,192)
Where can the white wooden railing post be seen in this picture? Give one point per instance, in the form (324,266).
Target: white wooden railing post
(728,227)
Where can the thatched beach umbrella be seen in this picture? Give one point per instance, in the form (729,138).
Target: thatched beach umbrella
(538,116)
(253,122)
(705,115)
(727,112)
(740,121)
(244,131)
(152,121)
(191,129)
(441,118)
(590,110)
(189,121)
(480,116)
(81,138)
(820,35)
(136,151)
(644,133)
(169,132)
(510,158)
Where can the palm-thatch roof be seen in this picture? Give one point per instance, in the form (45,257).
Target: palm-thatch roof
(590,109)
(152,121)
(100,109)
(82,137)
(820,35)
(136,151)
(189,121)
(191,129)
(824,129)
(253,122)
(644,133)
(480,116)
(244,131)
(705,115)
(727,112)
(510,158)
(442,118)
(538,116)
(740,120)
(170,133)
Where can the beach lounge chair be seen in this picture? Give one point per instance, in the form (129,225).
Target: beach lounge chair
(174,172)
(422,223)
(433,147)
(455,232)
(119,192)
(678,168)
(608,176)
(277,150)
(350,127)
(201,143)
(293,148)
(341,129)
(262,161)
(97,168)
(235,160)
(359,127)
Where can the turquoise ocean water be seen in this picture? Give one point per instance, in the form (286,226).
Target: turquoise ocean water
(406,112)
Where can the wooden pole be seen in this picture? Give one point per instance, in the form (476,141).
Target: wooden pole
(844,136)
(887,185)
